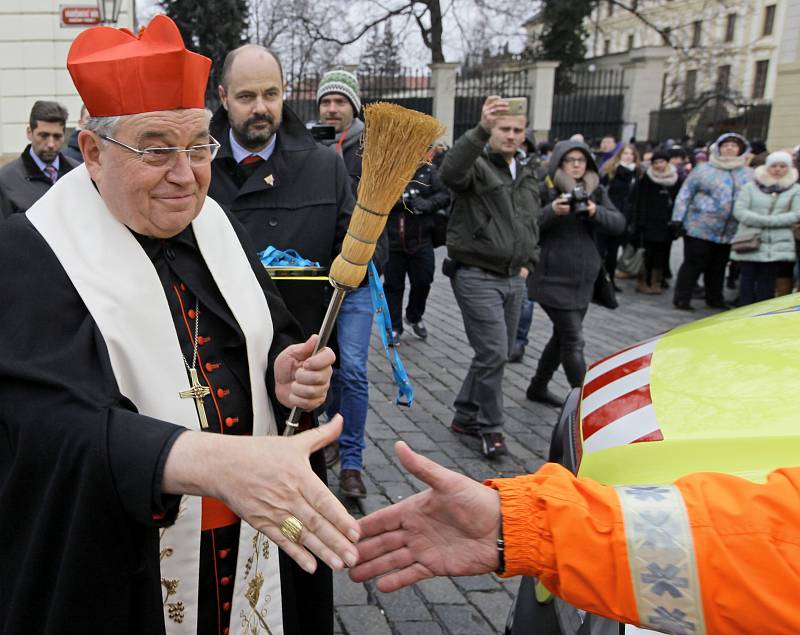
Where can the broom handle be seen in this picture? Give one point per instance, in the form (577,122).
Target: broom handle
(324,335)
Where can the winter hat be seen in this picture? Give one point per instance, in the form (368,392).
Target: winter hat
(342,82)
(757,146)
(660,154)
(779,157)
(744,146)
(700,155)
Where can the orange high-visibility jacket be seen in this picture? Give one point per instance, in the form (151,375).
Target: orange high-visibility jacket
(712,553)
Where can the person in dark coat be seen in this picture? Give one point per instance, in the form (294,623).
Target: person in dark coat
(295,194)
(73,150)
(655,196)
(619,176)
(411,250)
(569,263)
(26,179)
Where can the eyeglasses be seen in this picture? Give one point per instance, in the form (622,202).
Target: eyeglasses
(576,161)
(162,157)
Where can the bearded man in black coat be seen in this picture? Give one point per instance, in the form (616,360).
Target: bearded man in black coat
(288,191)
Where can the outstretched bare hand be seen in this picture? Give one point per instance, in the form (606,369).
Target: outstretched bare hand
(448,530)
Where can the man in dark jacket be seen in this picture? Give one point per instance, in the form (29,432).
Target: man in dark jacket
(411,248)
(339,102)
(288,191)
(491,240)
(25,180)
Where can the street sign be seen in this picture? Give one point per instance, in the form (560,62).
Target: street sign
(79,15)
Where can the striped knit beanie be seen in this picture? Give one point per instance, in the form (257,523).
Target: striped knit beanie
(342,82)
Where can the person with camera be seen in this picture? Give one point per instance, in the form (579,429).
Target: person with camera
(576,208)
(410,228)
(492,241)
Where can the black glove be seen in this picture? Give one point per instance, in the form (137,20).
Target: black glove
(677,229)
(422,205)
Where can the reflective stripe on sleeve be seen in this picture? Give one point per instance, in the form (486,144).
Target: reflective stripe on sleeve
(662,559)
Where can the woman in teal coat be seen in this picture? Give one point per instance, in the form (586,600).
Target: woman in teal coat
(767,207)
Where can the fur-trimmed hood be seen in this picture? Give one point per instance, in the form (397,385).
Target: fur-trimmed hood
(762,177)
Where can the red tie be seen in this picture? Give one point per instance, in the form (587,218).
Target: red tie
(253,158)
(51,172)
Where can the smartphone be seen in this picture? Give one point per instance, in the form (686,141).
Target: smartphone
(517,106)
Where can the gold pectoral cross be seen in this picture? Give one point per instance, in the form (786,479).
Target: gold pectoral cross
(197,392)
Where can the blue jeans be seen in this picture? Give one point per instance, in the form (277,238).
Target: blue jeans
(349,394)
(525,321)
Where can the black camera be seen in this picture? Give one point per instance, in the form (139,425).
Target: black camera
(321,132)
(578,200)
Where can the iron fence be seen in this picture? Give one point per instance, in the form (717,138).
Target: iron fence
(590,103)
(473,86)
(407,87)
(750,119)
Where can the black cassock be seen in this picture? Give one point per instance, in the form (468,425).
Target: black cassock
(80,469)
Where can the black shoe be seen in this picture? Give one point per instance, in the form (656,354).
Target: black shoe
(517,353)
(351,484)
(542,395)
(460,428)
(683,306)
(719,305)
(331,453)
(395,339)
(419,328)
(699,292)
(493,444)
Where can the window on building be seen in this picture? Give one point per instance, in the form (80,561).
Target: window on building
(666,35)
(723,78)
(610,8)
(630,41)
(697,33)
(769,19)
(760,79)
(690,88)
(730,27)
(606,46)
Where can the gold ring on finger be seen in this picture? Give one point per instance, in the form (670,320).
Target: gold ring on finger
(292,529)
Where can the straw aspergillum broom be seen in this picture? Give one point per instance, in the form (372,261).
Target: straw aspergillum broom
(395,141)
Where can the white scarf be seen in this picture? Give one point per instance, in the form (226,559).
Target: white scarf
(726,163)
(120,287)
(668,177)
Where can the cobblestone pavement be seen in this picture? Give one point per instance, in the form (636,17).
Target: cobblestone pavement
(476,605)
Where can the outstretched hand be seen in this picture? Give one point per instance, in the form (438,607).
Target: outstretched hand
(448,530)
(264,480)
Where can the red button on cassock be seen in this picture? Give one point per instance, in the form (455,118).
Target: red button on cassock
(226,606)
(225,581)
(210,368)
(223,553)
(183,287)
(192,314)
(223,392)
(226,631)
(230,421)
(203,340)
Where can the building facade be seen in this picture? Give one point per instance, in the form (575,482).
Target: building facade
(705,64)
(784,131)
(34,41)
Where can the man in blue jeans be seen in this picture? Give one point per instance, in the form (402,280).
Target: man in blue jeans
(339,103)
